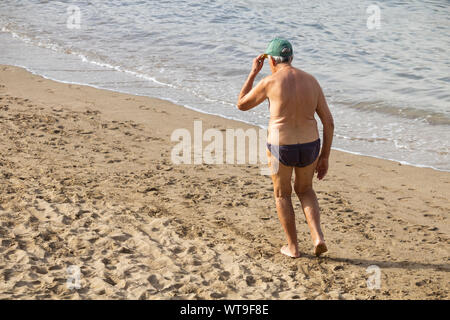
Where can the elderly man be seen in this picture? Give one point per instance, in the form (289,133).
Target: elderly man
(293,137)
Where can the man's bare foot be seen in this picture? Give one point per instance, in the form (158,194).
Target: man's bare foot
(320,248)
(285,250)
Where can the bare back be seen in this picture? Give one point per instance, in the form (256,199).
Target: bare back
(293,96)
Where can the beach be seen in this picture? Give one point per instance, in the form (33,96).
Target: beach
(86,180)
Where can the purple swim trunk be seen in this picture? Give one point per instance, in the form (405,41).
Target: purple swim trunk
(296,155)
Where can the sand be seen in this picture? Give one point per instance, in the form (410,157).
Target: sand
(86,180)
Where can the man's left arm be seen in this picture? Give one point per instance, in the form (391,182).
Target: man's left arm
(250,98)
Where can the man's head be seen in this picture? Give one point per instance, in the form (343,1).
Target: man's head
(279,51)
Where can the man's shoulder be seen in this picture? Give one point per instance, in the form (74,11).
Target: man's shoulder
(268,80)
(306,75)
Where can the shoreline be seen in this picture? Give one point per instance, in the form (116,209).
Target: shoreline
(87,180)
(213,114)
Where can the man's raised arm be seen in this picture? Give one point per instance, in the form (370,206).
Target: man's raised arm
(248,97)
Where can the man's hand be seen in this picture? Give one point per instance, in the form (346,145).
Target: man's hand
(258,63)
(322,167)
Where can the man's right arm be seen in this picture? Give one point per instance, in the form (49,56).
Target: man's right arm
(324,113)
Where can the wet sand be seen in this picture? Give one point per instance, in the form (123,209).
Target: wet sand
(86,180)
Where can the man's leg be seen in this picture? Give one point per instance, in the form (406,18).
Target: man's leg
(282,191)
(305,192)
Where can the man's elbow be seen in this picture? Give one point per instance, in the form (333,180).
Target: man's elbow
(241,106)
(329,124)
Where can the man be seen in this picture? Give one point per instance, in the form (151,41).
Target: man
(293,137)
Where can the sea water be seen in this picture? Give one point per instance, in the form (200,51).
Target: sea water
(383,66)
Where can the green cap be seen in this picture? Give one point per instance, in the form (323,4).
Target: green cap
(279,47)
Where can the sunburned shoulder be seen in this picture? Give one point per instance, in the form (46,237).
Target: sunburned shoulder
(306,75)
(274,78)
(310,79)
